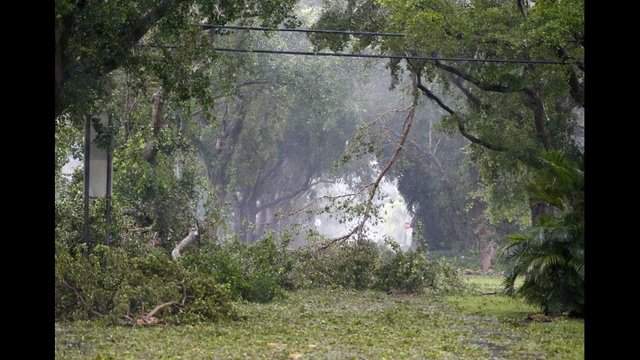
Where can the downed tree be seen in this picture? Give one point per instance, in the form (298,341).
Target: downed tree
(150,318)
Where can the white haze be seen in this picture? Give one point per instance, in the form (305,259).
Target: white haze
(394,216)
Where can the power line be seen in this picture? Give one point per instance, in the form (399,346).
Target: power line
(409,57)
(374,56)
(323,31)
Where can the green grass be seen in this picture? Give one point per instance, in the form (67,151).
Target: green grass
(342,324)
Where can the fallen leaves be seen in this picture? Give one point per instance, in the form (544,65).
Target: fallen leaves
(356,325)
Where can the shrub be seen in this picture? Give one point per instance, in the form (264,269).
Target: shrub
(368,266)
(407,271)
(346,265)
(256,272)
(113,282)
(551,261)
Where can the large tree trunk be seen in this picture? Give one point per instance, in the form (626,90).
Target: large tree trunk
(244,220)
(533,101)
(249,223)
(487,255)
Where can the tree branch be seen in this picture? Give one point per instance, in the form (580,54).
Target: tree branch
(483,85)
(458,119)
(189,239)
(406,128)
(474,100)
(306,186)
(67,69)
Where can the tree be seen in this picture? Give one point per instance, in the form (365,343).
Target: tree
(282,125)
(93,38)
(550,256)
(510,110)
(512,114)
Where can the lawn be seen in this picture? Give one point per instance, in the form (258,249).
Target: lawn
(344,324)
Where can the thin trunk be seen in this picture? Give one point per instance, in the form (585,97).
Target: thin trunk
(150,154)
(87,156)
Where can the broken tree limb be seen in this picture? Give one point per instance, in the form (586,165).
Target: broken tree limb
(160,307)
(150,319)
(406,128)
(189,239)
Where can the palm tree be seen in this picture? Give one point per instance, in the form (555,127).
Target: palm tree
(550,255)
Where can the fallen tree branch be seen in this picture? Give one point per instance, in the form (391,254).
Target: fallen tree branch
(160,307)
(142,229)
(150,319)
(80,298)
(406,128)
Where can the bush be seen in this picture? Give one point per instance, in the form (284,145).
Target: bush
(406,271)
(368,266)
(256,272)
(412,271)
(551,261)
(346,265)
(113,282)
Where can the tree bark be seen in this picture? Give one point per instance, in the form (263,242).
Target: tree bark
(487,255)
(150,153)
(534,102)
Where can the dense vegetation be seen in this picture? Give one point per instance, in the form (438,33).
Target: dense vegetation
(117,284)
(233,172)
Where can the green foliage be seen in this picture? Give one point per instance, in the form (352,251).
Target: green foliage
(369,266)
(256,272)
(95,38)
(342,324)
(408,271)
(114,282)
(550,255)
(348,266)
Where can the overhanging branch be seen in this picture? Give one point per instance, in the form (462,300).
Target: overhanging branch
(483,85)
(428,93)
